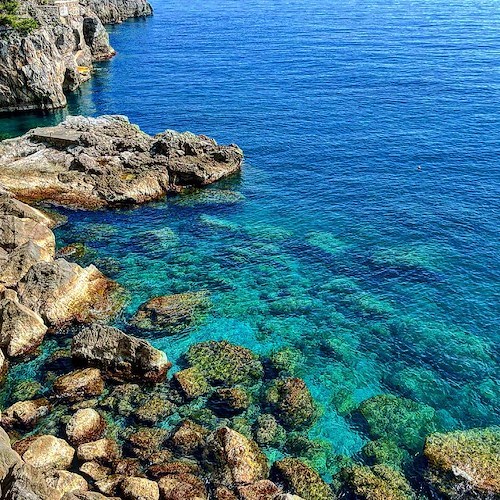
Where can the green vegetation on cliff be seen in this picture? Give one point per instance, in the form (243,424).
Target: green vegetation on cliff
(10,17)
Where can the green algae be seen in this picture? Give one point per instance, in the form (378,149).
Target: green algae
(207,197)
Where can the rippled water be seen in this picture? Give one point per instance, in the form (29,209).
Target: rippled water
(332,241)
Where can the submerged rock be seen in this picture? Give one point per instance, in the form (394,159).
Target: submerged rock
(106,161)
(379,482)
(298,478)
(268,432)
(234,459)
(191,382)
(171,313)
(292,403)
(119,355)
(188,438)
(465,464)
(226,364)
(227,402)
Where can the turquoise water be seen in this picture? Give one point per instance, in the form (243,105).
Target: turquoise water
(385,277)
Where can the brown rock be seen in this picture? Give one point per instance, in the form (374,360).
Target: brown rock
(26,482)
(181,487)
(129,467)
(227,402)
(80,384)
(49,452)
(66,482)
(178,467)
(25,414)
(147,440)
(223,493)
(95,471)
(84,426)
(10,206)
(138,488)
(260,490)
(121,356)
(188,438)
(109,485)
(104,451)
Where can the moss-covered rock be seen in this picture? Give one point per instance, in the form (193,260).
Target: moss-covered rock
(402,420)
(286,361)
(227,402)
(299,479)
(191,382)
(154,409)
(385,451)
(268,432)
(188,438)
(225,364)
(292,403)
(146,441)
(465,464)
(379,482)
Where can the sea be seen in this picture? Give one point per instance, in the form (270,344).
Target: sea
(363,231)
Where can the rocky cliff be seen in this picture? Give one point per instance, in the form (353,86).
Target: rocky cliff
(38,67)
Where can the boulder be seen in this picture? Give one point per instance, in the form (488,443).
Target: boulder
(191,382)
(171,313)
(80,384)
(227,402)
(49,452)
(260,490)
(234,459)
(154,409)
(146,441)
(299,479)
(292,403)
(8,457)
(11,206)
(188,438)
(4,366)
(64,482)
(61,292)
(379,482)
(119,355)
(21,330)
(181,487)
(25,414)
(106,161)
(465,464)
(268,432)
(139,488)
(84,426)
(94,470)
(103,451)
(225,364)
(25,482)
(110,485)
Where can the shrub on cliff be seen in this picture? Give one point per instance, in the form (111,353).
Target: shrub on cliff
(9,17)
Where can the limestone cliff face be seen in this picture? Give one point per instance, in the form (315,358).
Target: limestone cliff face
(36,69)
(116,11)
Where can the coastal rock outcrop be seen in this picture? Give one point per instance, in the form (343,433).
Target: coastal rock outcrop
(116,11)
(106,161)
(119,355)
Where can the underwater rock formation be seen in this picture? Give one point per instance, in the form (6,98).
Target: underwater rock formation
(106,161)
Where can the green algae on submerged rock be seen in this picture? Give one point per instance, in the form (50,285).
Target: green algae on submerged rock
(227,402)
(300,479)
(379,482)
(268,432)
(225,364)
(287,361)
(208,197)
(385,451)
(171,313)
(292,403)
(402,420)
(191,382)
(465,464)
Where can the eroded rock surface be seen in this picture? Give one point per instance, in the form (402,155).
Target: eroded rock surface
(106,161)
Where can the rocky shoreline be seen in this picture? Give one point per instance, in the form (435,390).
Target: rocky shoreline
(39,66)
(101,418)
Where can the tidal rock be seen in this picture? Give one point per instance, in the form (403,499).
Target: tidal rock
(80,384)
(106,161)
(64,482)
(188,438)
(139,488)
(4,366)
(234,459)
(292,403)
(171,313)
(61,292)
(157,471)
(129,467)
(103,451)
(227,402)
(465,464)
(379,482)
(11,206)
(25,414)
(21,329)
(299,479)
(8,457)
(181,487)
(191,382)
(49,452)
(84,426)
(225,364)
(119,355)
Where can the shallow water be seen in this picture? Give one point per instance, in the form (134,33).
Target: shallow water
(331,241)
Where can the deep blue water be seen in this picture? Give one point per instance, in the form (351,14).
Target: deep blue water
(384,276)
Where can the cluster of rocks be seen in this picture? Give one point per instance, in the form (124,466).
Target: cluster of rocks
(38,67)
(107,161)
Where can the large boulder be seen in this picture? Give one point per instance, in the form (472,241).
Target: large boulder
(21,329)
(84,426)
(61,292)
(298,478)
(188,438)
(139,488)
(103,451)
(119,355)
(80,384)
(171,313)
(465,464)
(225,364)
(181,487)
(64,482)
(25,414)
(106,161)
(292,403)
(234,459)
(48,452)
(25,482)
